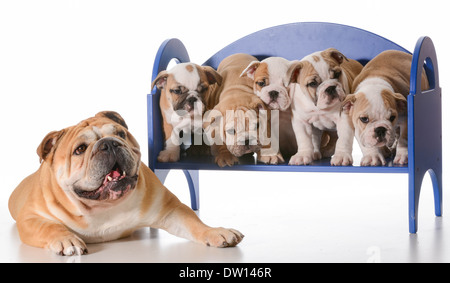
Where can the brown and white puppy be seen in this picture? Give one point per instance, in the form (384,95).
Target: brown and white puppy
(185,89)
(320,83)
(237,125)
(271,79)
(377,110)
(92,187)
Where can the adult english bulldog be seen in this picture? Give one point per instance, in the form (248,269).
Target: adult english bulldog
(320,83)
(92,187)
(185,91)
(377,111)
(239,123)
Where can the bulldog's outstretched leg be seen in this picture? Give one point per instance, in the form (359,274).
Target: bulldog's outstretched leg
(43,233)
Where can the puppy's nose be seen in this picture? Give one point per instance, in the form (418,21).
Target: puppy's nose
(331,90)
(191,100)
(380,132)
(273,94)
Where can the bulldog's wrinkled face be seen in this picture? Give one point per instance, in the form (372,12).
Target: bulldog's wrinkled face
(321,79)
(375,116)
(185,85)
(270,81)
(95,161)
(239,127)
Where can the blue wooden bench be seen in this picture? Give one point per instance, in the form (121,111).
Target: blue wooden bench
(293,42)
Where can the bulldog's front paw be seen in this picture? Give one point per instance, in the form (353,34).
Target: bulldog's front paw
(302,158)
(341,159)
(222,238)
(373,159)
(169,155)
(68,245)
(401,157)
(226,159)
(272,159)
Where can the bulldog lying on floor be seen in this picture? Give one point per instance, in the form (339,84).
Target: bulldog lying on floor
(92,187)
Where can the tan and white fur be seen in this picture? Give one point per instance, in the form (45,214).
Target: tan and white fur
(235,135)
(92,187)
(185,90)
(377,111)
(320,83)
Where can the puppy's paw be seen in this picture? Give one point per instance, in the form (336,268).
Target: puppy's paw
(302,158)
(68,245)
(373,159)
(401,158)
(169,155)
(222,237)
(226,159)
(272,159)
(317,155)
(341,159)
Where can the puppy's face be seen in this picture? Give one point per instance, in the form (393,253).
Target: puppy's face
(238,127)
(270,81)
(320,78)
(185,85)
(375,116)
(95,162)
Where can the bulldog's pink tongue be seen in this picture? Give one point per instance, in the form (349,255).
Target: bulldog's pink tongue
(113,176)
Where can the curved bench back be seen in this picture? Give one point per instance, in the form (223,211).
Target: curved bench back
(295,41)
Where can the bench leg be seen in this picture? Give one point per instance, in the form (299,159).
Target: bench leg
(162,174)
(192,178)
(415,184)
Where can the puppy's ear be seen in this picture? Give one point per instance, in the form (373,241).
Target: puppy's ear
(161,80)
(335,55)
(250,70)
(348,103)
(402,105)
(48,144)
(212,75)
(114,116)
(294,71)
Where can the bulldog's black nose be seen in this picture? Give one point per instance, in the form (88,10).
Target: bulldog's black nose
(331,90)
(108,144)
(380,132)
(273,94)
(191,100)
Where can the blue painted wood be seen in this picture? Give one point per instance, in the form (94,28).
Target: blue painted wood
(424,129)
(294,41)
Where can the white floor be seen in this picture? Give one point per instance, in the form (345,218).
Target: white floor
(286,217)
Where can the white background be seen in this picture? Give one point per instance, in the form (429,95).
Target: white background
(63,61)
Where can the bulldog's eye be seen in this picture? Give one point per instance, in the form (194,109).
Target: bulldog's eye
(312,84)
(176,91)
(337,74)
(365,120)
(80,150)
(122,134)
(231,131)
(261,83)
(392,118)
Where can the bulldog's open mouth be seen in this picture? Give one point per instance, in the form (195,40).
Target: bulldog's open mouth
(115,185)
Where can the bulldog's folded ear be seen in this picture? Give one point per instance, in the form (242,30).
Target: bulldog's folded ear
(348,103)
(161,80)
(114,116)
(335,55)
(294,71)
(48,144)
(212,75)
(250,70)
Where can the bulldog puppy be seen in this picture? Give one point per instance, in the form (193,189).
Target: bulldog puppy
(236,125)
(92,187)
(320,83)
(377,110)
(271,83)
(185,89)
